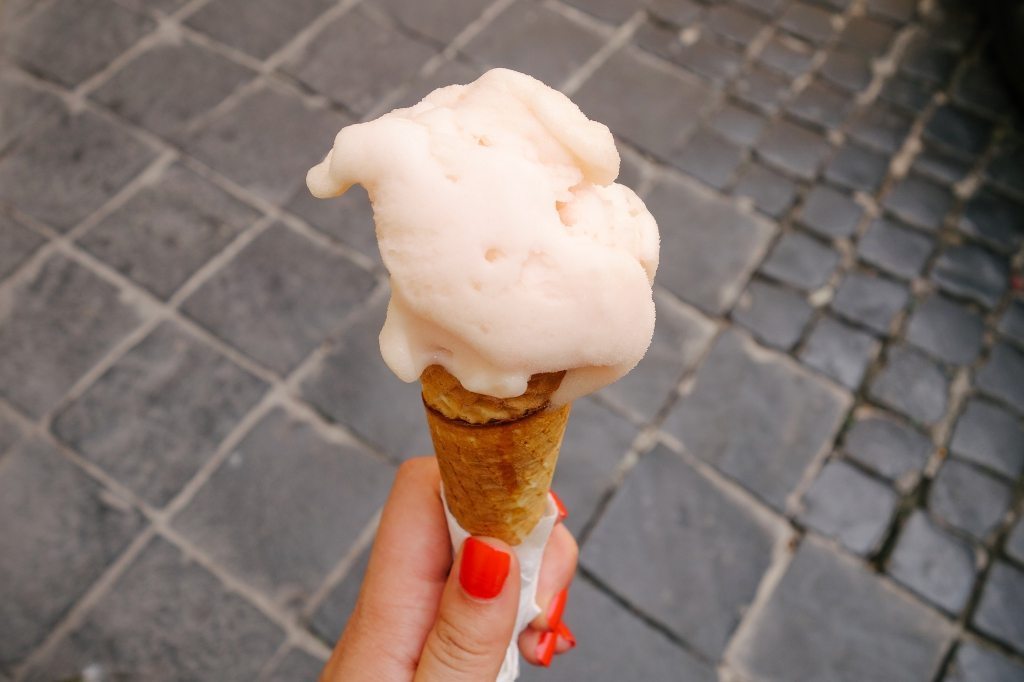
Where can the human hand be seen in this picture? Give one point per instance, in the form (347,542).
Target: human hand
(421,617)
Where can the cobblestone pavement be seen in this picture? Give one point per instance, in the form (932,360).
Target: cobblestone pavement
(816,473)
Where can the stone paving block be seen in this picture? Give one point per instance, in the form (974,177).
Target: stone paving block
(162,6)
(830,618)
(1000,613)
(168,86)
(266,142)
(648,104)
(787,54)
(705,57)
(849,70)
(159,413)
(763,89)
(25,107)
(740,126)
(941,165)
(678,12)
(1012,322)
(946,329)
(839,351)
(353,386)
(975,664)
(919,202)
(800,261)
(53,328)
(59,532)
(850,506)
(441,20)
(388,56)
(166,618)
(247,517)
(829,213)
(1006,168)
(790,417)
(912,385)
(980,86)
(713,244)
(771,192)
(601,626)
(908,93)
(959,130)
(933,563)
(680,338)
(1002,376)
(821,104)
(972,272)
(968,499)
(297,665)
(695,570)
(613,11)
(994,219)
(768,8)
(85,156)
(332,615)
(535,40)
(793,149)
(1015,541)
(988,435)
(857,168)
(886,446)
(10,431)
(709,158)
(348,218)
(928,61)
(897,11)
(775,315)
(734,24)
(256,27)
(91,34)
(454,71)
(17,243)
(867,35)
(870,300)
(894,249)
(280,297)
(168,230)
(807,21)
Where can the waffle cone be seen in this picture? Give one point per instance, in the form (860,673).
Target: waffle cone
(496,456)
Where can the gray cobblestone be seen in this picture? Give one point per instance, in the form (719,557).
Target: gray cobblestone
(940,165)
(850,506)
(886,446)
(16,244)
(972,272)
(807,21)
(988,435)
(1006,168)
(775,315)
(1015,541)
(847,69)
(1002,603)
(911,384)
(946,329)
(867,35)
(870,300)
(771,192)
(857,168)
(348,218)
(25,107)
(441,20)
(739,125)
(821,104)
(994,219)
(333,613)
(1012,322)
(1002,376)
(705,57)
(735,24)
(763,89)
(919,202)
(975,664)
(793,149)
(709,158)
(895,249)
(829,213)
(296,665)
(801,261)
(958,130)
(839,351)
(256,27)
(968,499)
(933,563)
(787,54)
(906,92)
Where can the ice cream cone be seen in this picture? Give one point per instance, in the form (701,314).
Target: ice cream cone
(497,456)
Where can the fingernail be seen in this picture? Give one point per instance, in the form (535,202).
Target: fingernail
(556,608)
(483,570)
(565,633)
(546,648)
(563,513)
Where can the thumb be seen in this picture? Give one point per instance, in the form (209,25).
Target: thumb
(476,617)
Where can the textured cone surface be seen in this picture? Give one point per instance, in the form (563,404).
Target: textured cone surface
(496,474)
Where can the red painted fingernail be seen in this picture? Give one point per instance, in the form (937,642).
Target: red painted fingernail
(563,513)
(565,633)
(546,648)
(483,570)
(556,608)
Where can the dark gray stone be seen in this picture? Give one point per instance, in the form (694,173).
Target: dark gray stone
(946,329)
(968,499)
(53,328)
(166,618)
(894,249)
(536,40)
(1000,613)
(847,69)
(801,261)
(940,165)
(767,8)
(793,149)
(772,193)
(1002,376)
(910,94)
(734,24)
(1012,322)
(849,506)
(680,338)
(1015,541)
(168,230)
(10,431)
(821,105)
(452,72)
(775,315)
(168,86)
(705,57)
(739,125)
(933,563)
(65,171)
(981,86)
(246,515)
(441,20)
(790,416)
(928,61)
(59,532)
(709,158)
(646,103)
(870,300)
(256,27)
(961,131)
(280,297)
(845,621)
(763,89)
(886,446)
(266,142)
(154,417)
(354,387)
(677,12)
(601,626)
(807,21)
(69,40)
(988,435)
(613,11)
(867,35)
(348,218)
(788,55)
(1006,169)
(897,11)
(920,202)
(703,538)
(839,351)
(974,664)
(25,107)
(333,613)
(829,212)
(16,244)
(994,219)
(296,666)
(712,244)
(912,385)
(857,168)
(972,272)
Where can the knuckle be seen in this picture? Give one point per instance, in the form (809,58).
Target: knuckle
(456,645)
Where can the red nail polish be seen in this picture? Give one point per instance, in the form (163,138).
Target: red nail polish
(546,648)
(563,513)
(483,570)
(565,633)
(556,608)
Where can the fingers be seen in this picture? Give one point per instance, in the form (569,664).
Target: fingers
(477,615)
(556,572)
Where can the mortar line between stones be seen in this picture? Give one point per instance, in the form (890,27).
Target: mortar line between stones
(618,39)
(340,571)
